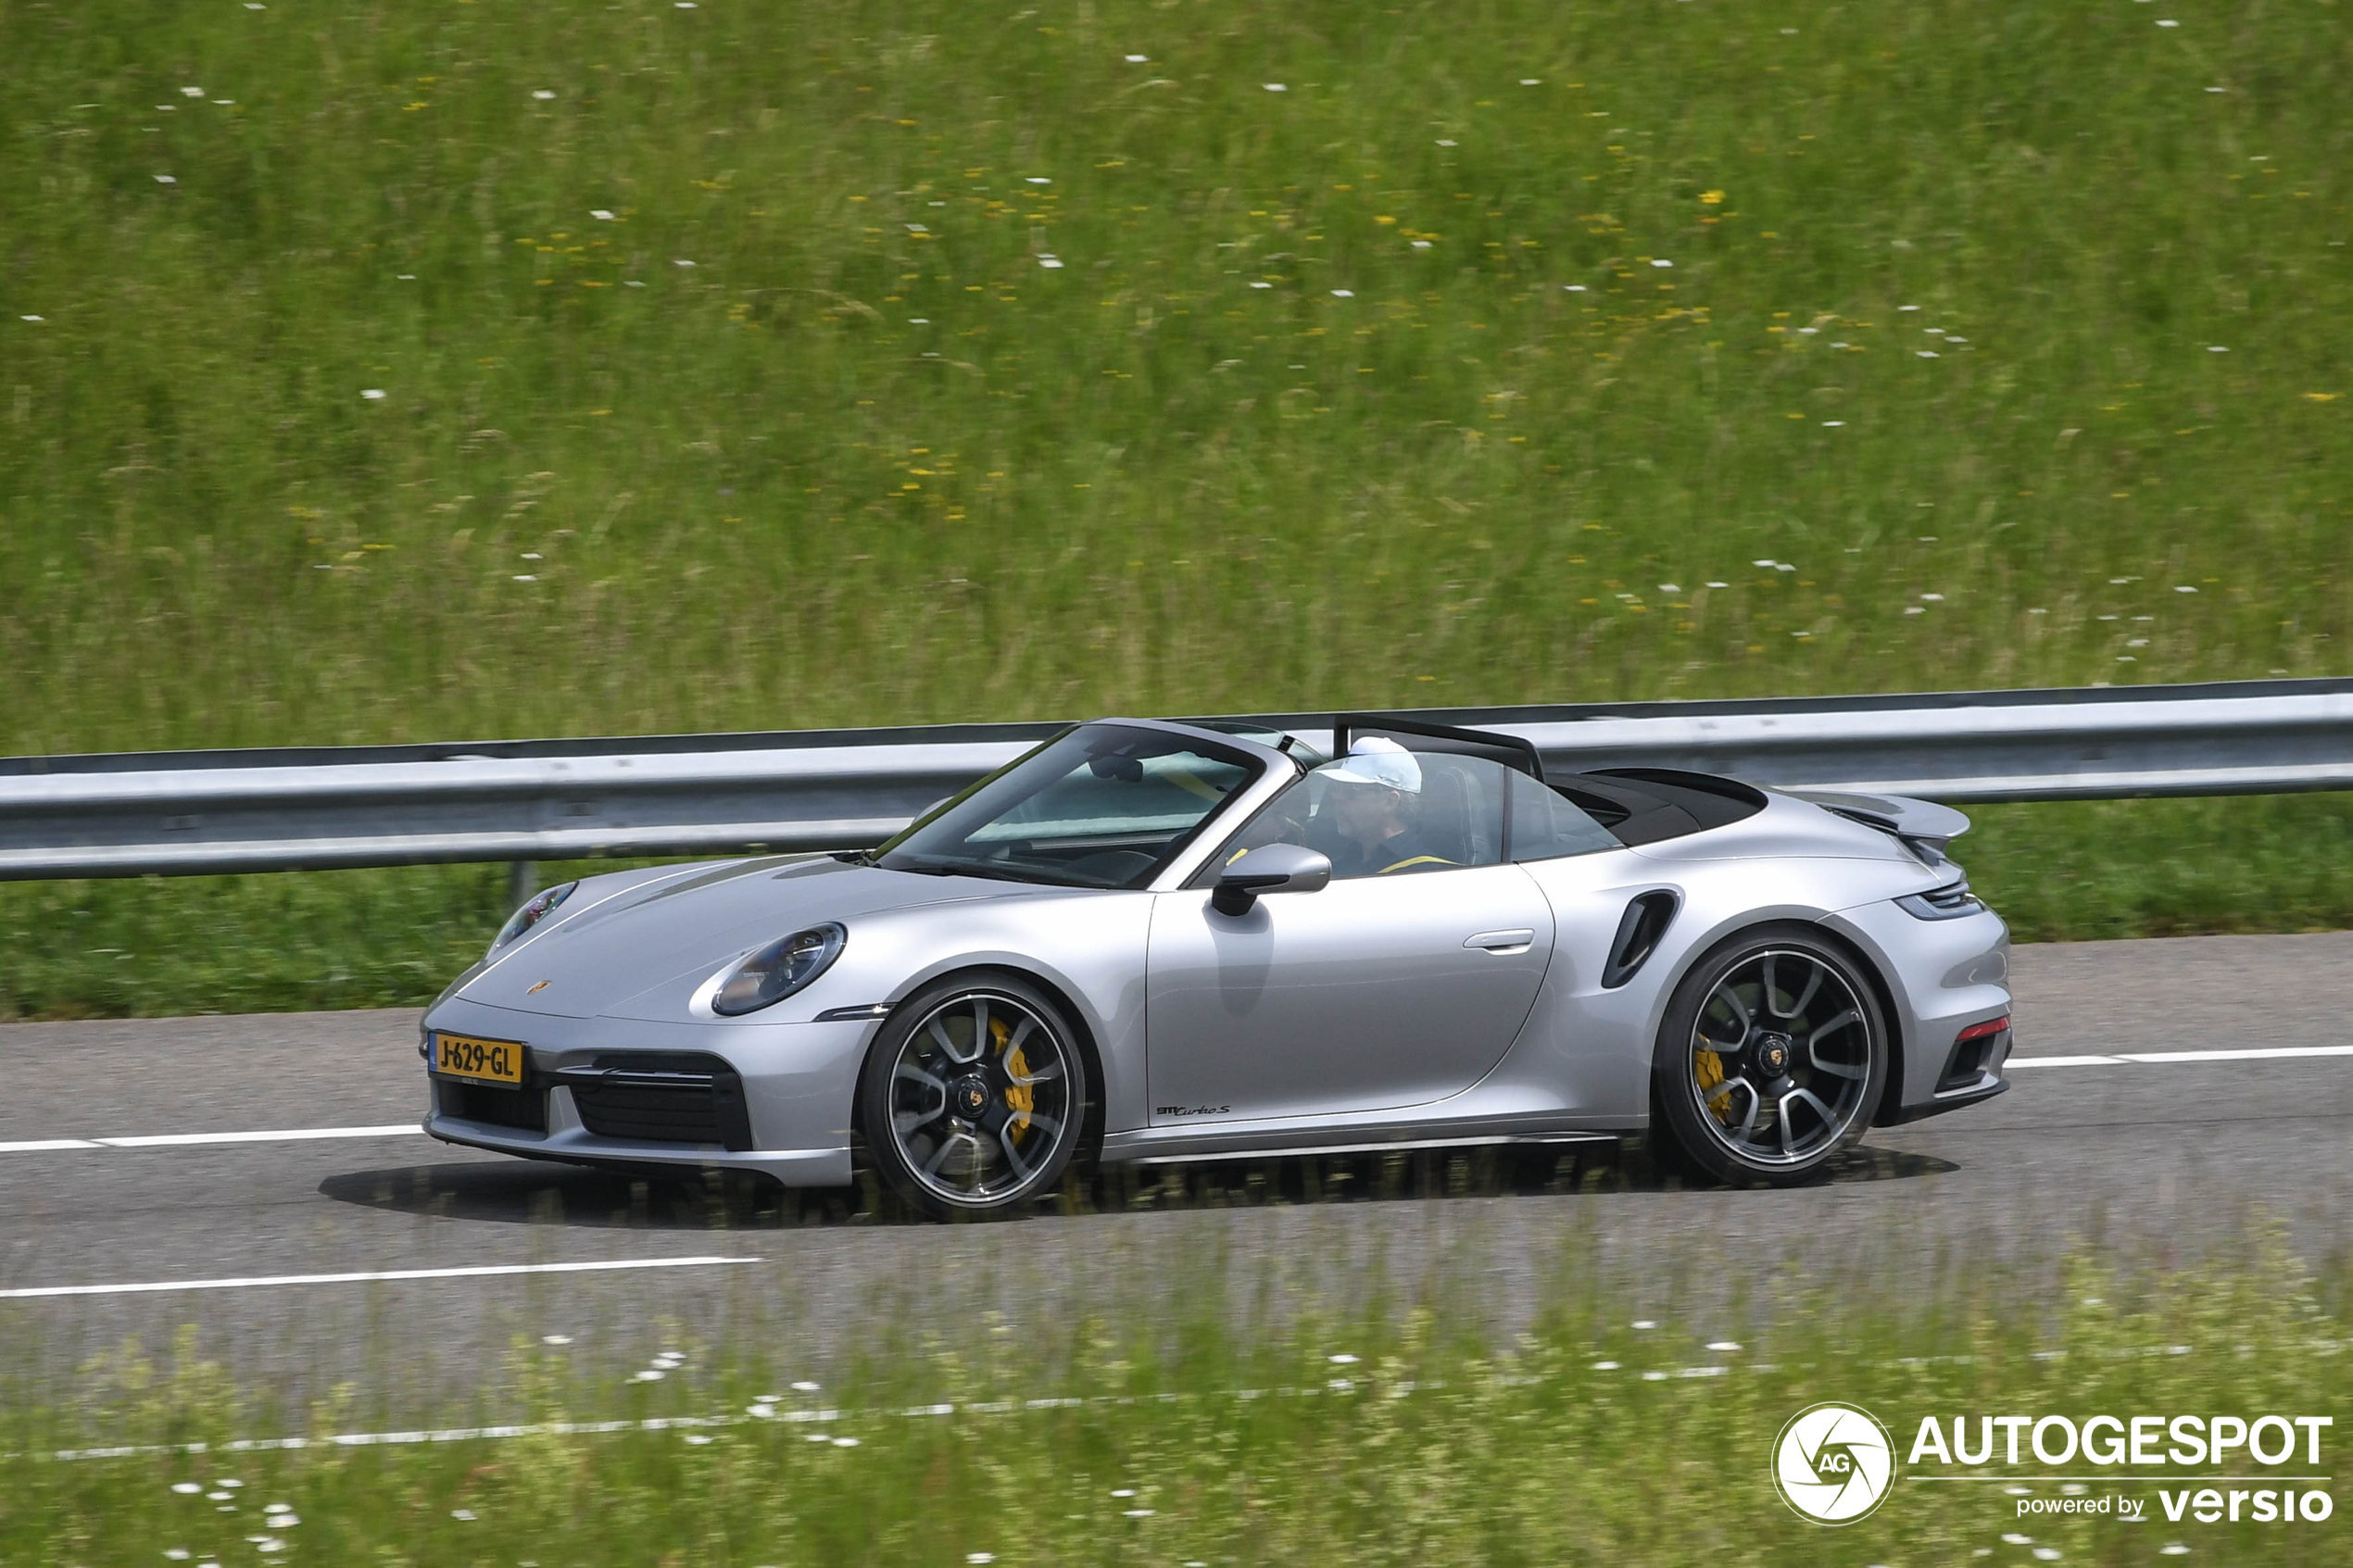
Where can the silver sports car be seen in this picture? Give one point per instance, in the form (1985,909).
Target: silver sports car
(1151,942)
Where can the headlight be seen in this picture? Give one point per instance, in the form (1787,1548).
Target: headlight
(534,909)
(778,969)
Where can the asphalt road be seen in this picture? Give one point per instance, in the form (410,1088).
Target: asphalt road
(2151,1163)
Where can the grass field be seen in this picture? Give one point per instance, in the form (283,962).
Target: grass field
(1378,1436)
(469,369)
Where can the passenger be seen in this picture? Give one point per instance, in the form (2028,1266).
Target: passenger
(1373,792)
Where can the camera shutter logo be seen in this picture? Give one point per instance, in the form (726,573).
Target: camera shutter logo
(1833,1463)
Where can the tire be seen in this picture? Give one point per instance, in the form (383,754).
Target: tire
(1791,1022)
(975,1096)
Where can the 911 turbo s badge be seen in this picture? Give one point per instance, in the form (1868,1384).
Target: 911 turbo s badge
(1192,1111)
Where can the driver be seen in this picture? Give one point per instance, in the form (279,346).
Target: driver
(1373,792)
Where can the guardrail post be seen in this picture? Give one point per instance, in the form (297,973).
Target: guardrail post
(522,880)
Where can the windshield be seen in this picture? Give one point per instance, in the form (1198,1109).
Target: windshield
(1104,806)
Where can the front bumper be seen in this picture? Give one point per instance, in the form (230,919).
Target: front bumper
(567,1140)
(770,1099)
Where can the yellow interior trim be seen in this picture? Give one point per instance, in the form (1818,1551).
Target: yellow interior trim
(1416,860)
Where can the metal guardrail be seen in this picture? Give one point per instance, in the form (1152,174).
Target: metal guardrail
(178,813)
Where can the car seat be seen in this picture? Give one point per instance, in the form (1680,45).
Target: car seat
(1443,815)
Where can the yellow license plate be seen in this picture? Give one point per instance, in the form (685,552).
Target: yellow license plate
(480,1061)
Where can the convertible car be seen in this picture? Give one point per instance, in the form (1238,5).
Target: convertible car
(1151,941)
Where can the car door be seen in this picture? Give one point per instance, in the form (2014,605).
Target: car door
(1376,992)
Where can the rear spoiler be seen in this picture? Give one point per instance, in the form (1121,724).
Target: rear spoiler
(1923,826)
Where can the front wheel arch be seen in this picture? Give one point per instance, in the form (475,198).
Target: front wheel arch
(1090,1131)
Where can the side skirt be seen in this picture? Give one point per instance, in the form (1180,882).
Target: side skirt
(1143,1153)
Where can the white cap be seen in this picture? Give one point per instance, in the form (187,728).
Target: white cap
(1376,759)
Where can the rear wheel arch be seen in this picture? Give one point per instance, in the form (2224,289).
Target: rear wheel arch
(1800,930)
(1868,966)
(1875,973)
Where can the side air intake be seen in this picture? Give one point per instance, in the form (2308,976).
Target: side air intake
(1646,923)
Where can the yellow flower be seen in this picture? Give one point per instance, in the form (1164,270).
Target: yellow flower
(2322,397)
(1711,197)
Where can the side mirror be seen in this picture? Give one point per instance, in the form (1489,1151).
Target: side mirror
(1271,868)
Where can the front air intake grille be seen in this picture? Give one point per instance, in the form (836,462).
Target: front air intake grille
(523,1108)
(686,1098)
(655,1115)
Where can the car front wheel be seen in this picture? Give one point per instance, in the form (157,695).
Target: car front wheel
(974,1097)
(1772,1058)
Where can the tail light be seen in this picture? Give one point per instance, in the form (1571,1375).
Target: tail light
(1951,902)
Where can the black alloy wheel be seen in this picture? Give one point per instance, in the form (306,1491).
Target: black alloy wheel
(1772,1058)
(974,1097)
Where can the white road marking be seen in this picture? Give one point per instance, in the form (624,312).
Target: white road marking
(166,1140)
(288,1135)
(689,1423)
(481,1271)
(1338,1389)
(2261,1053)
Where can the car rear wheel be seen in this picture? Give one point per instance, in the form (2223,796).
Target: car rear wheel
(1772,1058)
(974,1097)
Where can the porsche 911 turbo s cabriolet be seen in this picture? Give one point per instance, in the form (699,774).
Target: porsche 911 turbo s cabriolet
(1149,941)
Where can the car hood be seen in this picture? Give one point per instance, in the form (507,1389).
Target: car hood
(653,937)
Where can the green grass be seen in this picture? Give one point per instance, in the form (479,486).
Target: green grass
(392,938)
(1189,1443)
(869,461)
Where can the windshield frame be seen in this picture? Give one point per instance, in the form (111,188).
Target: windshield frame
(1250,759)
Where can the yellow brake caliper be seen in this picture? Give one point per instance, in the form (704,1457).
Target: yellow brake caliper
(1707,1071)
(1020,1097)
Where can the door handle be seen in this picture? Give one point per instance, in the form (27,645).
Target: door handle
(1504,942)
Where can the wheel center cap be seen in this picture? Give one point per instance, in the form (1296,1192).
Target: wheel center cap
(1773,1053)
(969,1095)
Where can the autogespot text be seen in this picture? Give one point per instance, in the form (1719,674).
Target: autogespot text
(2225,1445)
